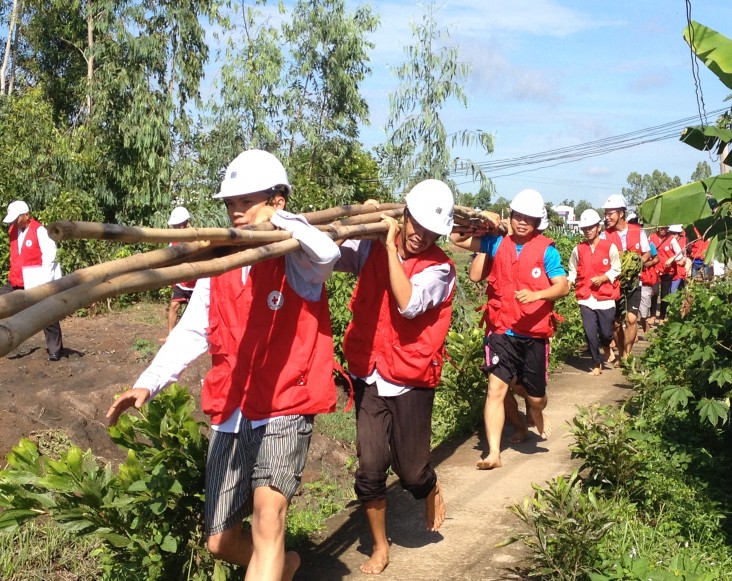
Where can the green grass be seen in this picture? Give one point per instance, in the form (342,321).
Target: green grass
(42,551)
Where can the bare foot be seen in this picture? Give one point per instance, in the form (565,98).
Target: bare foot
(377,563)
(292,564)
(489,463)
(519,436)
(609,354)
(543,425)
(434,508)
(595,371)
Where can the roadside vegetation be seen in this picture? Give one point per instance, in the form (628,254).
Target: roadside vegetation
(652,498)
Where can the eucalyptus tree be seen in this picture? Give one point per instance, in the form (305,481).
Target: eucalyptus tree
(419,145)
(641,187)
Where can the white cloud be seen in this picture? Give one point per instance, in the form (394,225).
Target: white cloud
(597,171)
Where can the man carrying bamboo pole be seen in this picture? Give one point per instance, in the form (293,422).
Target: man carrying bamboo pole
(394,347)
(32,263)
(267,328)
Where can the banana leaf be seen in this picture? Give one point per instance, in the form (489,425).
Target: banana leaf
(711,48)
(689,203)
(708,138)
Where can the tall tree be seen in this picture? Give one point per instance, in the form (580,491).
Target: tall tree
(642,187)
(702,172)
(417,145)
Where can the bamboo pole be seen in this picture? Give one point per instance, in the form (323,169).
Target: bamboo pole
(19,327)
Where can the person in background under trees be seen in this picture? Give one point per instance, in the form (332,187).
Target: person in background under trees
(182,291)
(698,254)
(628,238)
(394,346)
(267,328)
(594,268)
(525,278)
(32,263)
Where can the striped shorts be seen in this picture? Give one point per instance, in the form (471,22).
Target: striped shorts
(270,455)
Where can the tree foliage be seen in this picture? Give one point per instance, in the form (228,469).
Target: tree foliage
(419,145)
(641,187)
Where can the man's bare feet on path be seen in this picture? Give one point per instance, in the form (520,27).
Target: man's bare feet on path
(292,564)
(488,463)
(609,354)
(434,508)
(377,563)
(595,371)
(543,425)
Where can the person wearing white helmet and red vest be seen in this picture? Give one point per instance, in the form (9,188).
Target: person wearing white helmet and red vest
(525,278)
(182,291)
(628,238)
(394,347)
(594,268)
(32,263)
(682,268)
(670,257)
(267,328)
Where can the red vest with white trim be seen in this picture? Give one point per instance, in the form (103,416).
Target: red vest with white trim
(665,251)
(29,255)
(271,350)
(632,239)
(404,351)
(510,274)
(591,264)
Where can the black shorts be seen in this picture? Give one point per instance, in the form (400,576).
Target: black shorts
(629,302)
(181,295)
(525,358)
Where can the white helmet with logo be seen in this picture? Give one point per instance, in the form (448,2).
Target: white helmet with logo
(431,204)
(544,224)
(178,216)
(529,203)
(254,171)
(614,202)
(589,218)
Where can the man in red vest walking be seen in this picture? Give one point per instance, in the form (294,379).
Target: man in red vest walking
(267,329)
(594,268)
(32,263)
(394,347)
(182,291)
(628,238)
(525,278)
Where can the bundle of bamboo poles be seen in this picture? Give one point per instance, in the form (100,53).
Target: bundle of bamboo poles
(203,252)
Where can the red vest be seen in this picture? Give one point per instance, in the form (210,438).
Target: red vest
(591,264)
(30,255)
(699,246)
(665,251)
(404,351)
(271,350)
(632,239)
(510,274)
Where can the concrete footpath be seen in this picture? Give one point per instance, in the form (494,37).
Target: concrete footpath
(477,519)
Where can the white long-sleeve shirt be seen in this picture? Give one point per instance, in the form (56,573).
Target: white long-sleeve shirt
(306,268)
(430,288)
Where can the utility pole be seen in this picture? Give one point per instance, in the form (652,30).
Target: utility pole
(724,168)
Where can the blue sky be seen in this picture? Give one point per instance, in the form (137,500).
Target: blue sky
(547,74)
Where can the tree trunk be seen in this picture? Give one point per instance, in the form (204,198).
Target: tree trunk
(8,46)
(90,59)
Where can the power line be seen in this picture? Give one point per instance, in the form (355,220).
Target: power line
(581,151)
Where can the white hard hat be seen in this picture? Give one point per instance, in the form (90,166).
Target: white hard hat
(431,204)
(529,202)
(589,218)
(178,216)
(676,228)
(15,209)
(615,201)
(544,224)
(251,172)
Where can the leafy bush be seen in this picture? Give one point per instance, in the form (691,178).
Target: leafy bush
(148,515)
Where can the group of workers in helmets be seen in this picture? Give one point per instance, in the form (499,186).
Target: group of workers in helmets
(267,329)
